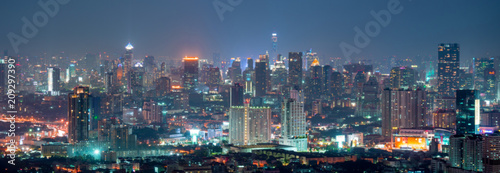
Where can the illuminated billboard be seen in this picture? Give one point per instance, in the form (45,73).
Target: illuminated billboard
(415,143)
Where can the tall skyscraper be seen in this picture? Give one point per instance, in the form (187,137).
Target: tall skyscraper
(466,152)
(260,78)
(403,109)
(127,66)
(315,82)
(79,114)
(279,74)
(293,122)
(403,77)
(249,125)
(468,111)
(448,69)
(491,153)
(295,69)
(249,78)
(236,95)
(310,57)
(337,85)
(163,86)
(53,80)
(190,74)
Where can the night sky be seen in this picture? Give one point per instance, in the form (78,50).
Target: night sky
(192,28)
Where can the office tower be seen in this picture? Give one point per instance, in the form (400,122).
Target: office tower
(163,86)
(468,111)
(249,63)
(234,71)
(122,137)
(260,78)
(249,125)
(265,58)
(491,153)
(53,80)
(490,84)
(249,78)
(466,152)
(190,74)
(444,118)
(326,79)
(236,95)
(153,112)
(127,65)
(337,85)
(369,104)
(274,38)
(403,77)
(295,69)
(79,114)
(293,122)
(480,65)
(214,78)
(310,57)
(448,68)
(314,81)
(279,74)
(137,76)
(403,109)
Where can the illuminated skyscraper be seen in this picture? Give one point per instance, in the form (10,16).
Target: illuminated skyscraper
(79,114)
(53,80)
(295,69)
(163,86)
(448,69)
(468,111)
(249,125)
(310,57)
(249,78)
(260,78)
(236,95)
(403,77)
(293,122)
(190,74)
(403,109)
(337,85)
(127,66)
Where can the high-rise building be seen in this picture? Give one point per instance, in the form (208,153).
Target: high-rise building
(403,109)
(249,125)
(403,77)
(249,78)
(448,69)
(190,74)
(444,118)
(490,84)
(53,80)
(293,122)
(127,65)
(468,111)
(260,78)
(315,82)
(295,69)
(491,153)
(163,86)
(337,85)
(369,103)
(79,114)
(466,152)
(310,57)
(279,74)
(235,71)
(236,95)
(214,78)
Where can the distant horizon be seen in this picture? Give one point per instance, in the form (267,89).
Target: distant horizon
(166,30)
